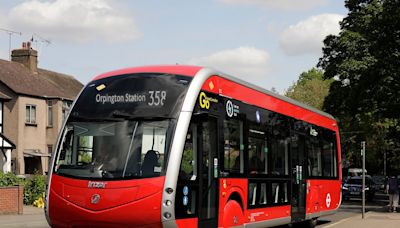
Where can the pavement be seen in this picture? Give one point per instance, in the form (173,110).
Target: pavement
(31,217)
(34,217)
(372,219)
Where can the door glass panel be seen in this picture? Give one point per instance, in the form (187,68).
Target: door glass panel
(298,173)
(209,152)
(188,170)
(188,184)
(285,193)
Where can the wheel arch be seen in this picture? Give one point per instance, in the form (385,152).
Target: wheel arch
(237,197)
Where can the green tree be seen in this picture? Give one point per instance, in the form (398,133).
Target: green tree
(310,88)
(364,61)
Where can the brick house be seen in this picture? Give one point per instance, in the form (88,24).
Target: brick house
(33,105)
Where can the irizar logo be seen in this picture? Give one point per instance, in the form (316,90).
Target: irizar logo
(96,184)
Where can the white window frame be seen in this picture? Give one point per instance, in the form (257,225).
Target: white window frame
(50,116)
(32,118)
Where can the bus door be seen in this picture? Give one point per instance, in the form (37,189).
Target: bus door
(208,172)
(298,178)
(197,192)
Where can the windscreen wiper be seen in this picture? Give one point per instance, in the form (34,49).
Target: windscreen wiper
(129,149)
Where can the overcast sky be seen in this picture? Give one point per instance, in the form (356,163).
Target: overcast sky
(266,42)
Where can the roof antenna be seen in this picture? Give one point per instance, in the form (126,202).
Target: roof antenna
(10,33)
(39,39)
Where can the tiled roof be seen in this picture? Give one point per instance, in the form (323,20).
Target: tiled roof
(44,83)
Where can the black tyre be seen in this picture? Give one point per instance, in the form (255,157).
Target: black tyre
(313,222)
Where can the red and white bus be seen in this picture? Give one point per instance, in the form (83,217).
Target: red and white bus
(187,146)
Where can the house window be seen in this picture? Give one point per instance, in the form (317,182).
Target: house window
(49,113)
(30,114)
(49,149)
(65,109)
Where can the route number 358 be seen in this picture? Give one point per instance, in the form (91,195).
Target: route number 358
(157,97)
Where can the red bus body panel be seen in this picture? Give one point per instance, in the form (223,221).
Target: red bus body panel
(227,186)
(167,69)
(128,203)
(322,195)
(189,222)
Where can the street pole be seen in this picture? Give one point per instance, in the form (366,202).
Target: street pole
(384,163)
(363,177)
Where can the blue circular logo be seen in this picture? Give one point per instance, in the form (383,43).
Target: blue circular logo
(185,190)
(185,200)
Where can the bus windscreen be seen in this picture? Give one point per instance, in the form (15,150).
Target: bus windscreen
(121,127)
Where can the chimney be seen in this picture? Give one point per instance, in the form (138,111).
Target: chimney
(26,55)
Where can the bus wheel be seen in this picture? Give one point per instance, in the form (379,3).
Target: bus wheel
(311,223)
(233,214)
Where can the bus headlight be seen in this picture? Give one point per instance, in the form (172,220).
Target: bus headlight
(167,215)
(169,190)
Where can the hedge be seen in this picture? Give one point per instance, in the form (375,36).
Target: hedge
(34,186)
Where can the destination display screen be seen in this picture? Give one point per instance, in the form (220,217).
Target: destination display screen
(144,95)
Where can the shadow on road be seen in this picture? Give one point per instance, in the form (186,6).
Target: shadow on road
(322,222)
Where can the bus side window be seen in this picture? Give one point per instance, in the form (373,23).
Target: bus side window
(280,157)
(263,194)
(252,193)
(233,146)
(65,156)
(329,155)
(258,152)
(314,157)
(279,193)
